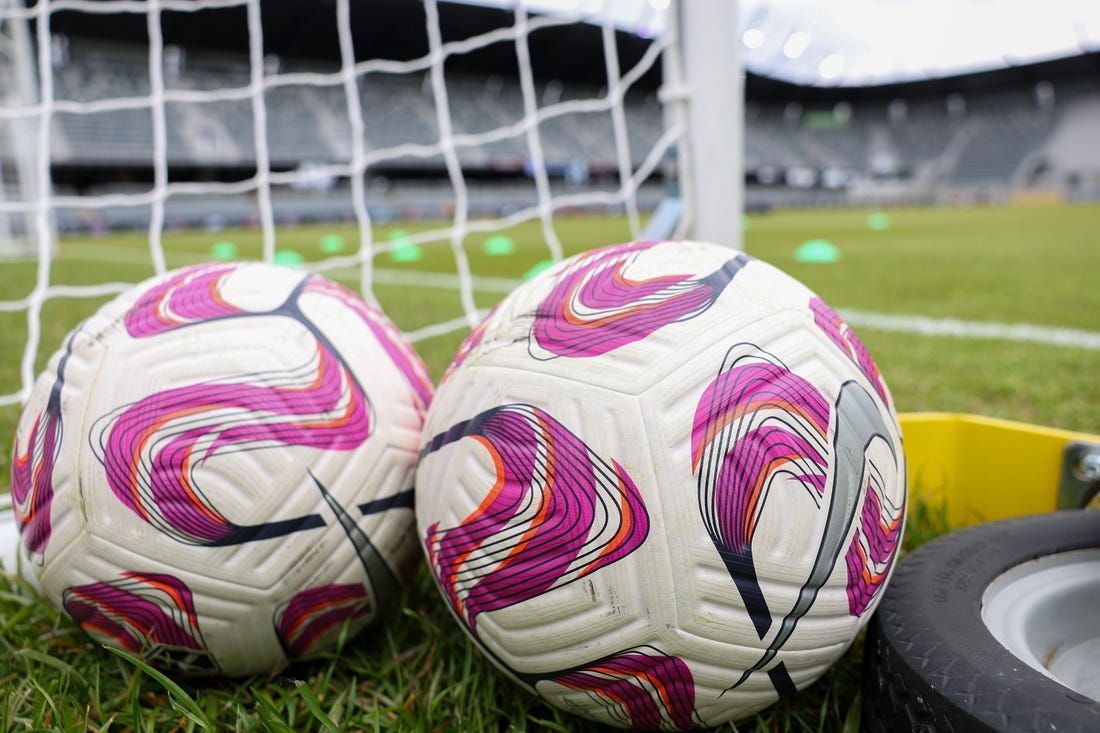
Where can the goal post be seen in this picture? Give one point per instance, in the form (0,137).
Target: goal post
(705,88)
(20,171)
(169,111)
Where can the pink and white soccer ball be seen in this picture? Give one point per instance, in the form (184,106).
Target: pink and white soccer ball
(662,485)
(215,471)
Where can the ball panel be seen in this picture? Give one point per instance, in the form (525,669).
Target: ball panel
(45,489)
(639,687)
(610,298)
(555,510)
(623,299)
(149,614)
(600,625)
(315,614)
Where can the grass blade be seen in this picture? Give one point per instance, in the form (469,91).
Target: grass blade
(177,696)
(314,706)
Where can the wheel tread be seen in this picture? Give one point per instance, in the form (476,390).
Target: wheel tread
(929,662)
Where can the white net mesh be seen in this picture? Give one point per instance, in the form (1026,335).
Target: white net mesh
(170,108)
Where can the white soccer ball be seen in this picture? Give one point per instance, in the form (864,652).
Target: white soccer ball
(215,471)
(662,485)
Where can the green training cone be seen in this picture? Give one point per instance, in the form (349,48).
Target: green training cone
(817,251)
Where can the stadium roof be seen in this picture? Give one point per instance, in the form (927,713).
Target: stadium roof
(875,42)
(923,45)
(868,42)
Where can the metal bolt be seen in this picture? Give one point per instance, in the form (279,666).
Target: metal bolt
(1089,466)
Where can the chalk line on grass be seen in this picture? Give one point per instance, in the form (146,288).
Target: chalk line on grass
(954,327)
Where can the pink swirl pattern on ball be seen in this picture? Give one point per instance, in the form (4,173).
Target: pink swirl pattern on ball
(641,688)
(757,426)
(192,295)
(873,549)
(136,612)
(32,470)
(32,480)
(195,294)
(755,422)
(151,449)
(555,513)
(595,306)
(833,326)
(313,612)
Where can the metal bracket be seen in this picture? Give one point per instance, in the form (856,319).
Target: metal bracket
(1079,484)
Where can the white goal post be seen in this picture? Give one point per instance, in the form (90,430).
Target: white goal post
(704,85)
(20,172)
(50,103)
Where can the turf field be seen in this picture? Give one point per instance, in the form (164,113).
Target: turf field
(994,267)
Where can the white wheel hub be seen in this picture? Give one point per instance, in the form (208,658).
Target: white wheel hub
(1045,613)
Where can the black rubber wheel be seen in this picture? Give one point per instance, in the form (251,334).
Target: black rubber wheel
(930,662)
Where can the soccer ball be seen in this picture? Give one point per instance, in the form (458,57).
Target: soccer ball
(662,485)
(215,471)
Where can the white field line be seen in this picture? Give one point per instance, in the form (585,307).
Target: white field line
(954,327)
(891,322)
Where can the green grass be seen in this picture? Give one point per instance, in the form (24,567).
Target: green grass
(1023,264)
(419,673)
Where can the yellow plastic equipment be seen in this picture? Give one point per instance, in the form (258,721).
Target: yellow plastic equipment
(983,469)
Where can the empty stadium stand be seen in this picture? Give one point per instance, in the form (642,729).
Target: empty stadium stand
(802,146)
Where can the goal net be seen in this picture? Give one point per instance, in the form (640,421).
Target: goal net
(439,153)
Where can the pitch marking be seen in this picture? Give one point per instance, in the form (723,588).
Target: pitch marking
(957,328)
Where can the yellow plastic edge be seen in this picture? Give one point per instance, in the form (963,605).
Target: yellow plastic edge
(981,468)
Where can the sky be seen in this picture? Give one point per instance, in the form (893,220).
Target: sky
(864,42)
